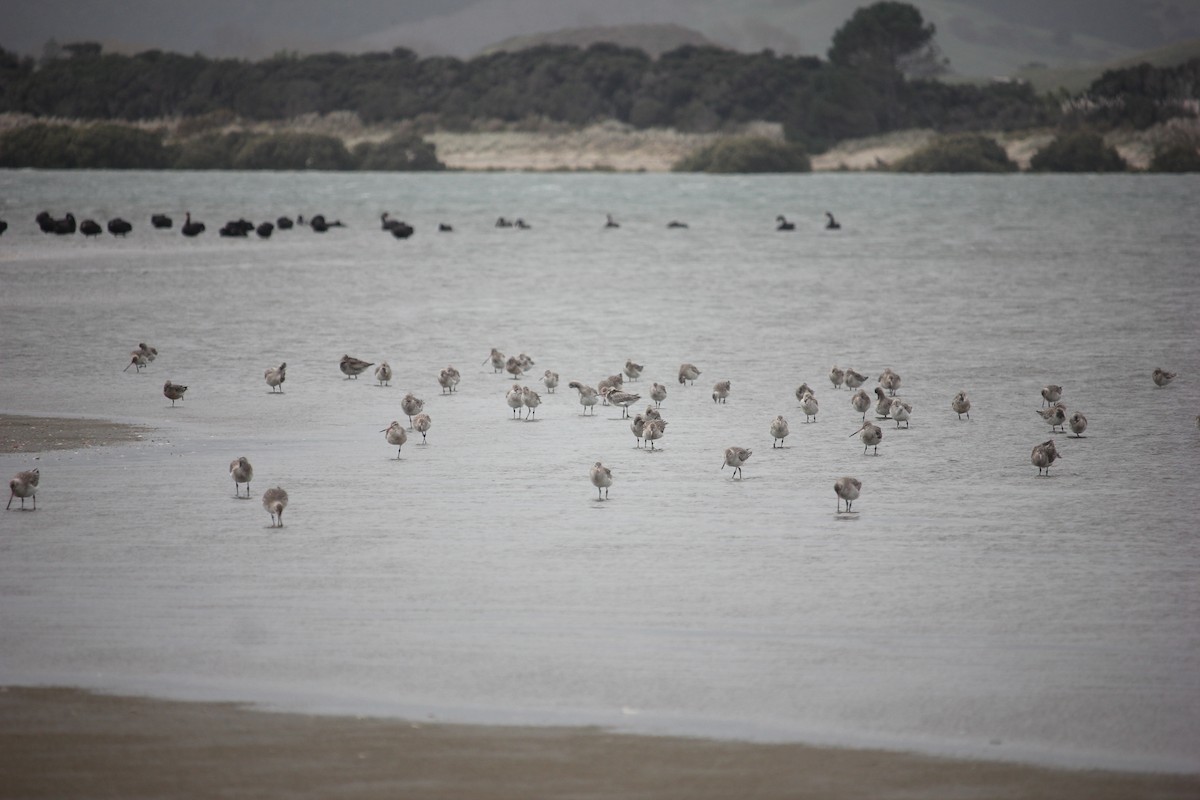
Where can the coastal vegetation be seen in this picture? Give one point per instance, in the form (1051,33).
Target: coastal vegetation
(1078,151)
(881,76)
(746,154)
(964,152)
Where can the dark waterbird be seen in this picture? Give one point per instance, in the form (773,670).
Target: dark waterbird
(237,227)
(265,230)
(444,228)
(831,224)
(45,222)
(318,223)
(784,225)
(3,227)
(89,227)
(191,228)
(119,227)
(284,223)
(161,221)
(399,229)
(49,224)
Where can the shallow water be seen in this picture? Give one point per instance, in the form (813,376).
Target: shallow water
(968,607)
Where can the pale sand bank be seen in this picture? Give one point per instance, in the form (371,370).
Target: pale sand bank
(21,434)
(66,743)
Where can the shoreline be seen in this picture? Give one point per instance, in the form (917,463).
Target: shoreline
(63,742)
(21,433)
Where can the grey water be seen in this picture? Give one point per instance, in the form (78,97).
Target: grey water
(967,607)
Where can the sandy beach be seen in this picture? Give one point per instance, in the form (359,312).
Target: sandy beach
(66,743)
(21,434)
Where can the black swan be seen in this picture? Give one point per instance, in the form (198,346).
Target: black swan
(501,222)
(522,224)
(3,227)
(284,223)
(676,224)
(318,223)
(444,228)
(119,227)
(611,223)
(265,230)
(45,222)
(89,227)
(832,224)
(161,221)
(784,225)
(191,228)
(66,225)
(402,230)
(237,227)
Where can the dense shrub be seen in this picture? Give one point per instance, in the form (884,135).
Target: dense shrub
(294,151)
(964,152)
(399,153)
(91,147)
(1176,158)
(1079,151)
(746,154)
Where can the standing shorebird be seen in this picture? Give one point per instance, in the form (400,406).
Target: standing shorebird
(658,393)
(146,350)
(871,436)
(422,423)
(411,405)
(901,411)
(1043,455)
(619,397)
(275,376)
(802,390)
(854,379)
(1055,415)
(633,370)
(352,367)
(588,397)
(395,435)
(383,373)
(652,412)
(688,372)
(889,380)
(515,399)
(601,479)
(653,430)
(275,501)
(735,457)
(173,392)
(532,400)
(1162,377)
(22,485)
(606,385)
(136,359)
(638,426)
(846,488)
(242,472)
(837,376)
(810,407)
(448,379)
(721,391)
(1051,394)
(1078,424)
(779,431)
(883,404)
(513,366)
(861,401)
(961,405)
(550,380)
(497,359)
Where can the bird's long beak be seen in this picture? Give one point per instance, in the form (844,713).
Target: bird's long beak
(860,430)
(127,366)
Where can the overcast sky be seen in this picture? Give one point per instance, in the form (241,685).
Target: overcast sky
(978,35)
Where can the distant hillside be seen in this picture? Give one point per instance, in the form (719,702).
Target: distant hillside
(651,39)
(1076,79)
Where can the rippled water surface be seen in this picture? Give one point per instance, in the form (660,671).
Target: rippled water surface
(968,607)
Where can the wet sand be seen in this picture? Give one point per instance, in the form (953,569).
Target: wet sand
(22,434)
(67,743)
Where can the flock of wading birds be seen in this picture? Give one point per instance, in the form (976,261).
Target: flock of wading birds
(648,426)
